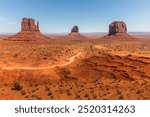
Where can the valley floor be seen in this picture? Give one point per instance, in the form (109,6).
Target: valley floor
(76,70)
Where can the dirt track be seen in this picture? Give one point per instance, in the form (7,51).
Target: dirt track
(71,60)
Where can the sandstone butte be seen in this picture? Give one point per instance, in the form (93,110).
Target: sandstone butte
(75,34)
(118,30)
(29,32)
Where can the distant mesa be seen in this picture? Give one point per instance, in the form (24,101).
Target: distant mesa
(75,33)
(118,30)
(29,32)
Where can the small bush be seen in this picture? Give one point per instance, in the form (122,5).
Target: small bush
(16,86)
(138,92)
(23,92)
(49,93)
(121,97)
(68,93)
(86,95)
(94,96)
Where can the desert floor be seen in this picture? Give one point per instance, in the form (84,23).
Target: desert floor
(87,69)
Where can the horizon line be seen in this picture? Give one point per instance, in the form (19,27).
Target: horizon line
(79,32)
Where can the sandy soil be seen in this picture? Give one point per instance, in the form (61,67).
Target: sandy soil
(70,60)
(74,69)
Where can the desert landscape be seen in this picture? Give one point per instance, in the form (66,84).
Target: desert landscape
(34,66)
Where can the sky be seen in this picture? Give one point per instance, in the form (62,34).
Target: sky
(58,16)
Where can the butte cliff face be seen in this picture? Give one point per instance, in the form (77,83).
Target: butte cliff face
(75,29)
(117,27)
(118,30)
(29,25)
(75,33)
(29,32)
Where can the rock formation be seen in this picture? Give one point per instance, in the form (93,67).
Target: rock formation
(29,25)
(75,34)
(117,27)
(118,30)
(75,29)
(29,32)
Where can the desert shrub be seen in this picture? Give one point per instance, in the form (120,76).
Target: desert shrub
(138,92)
(47,88)
(92,91)
(120,97)
(36,85)
(33,96)
(23,92)
(81,86)
(107,89)
(6,85)
(37,97)
(94,96)
(33,90)
(86,95)
(68,93)
(61,91)
(16,86)
(49,93)
(52,97)
(118,92)
(79,91)
(27,96)
(77,96)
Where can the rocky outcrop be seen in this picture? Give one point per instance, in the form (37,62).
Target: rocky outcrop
(117,27)
(29,32)
(75,34)
(75,29)
(29,25)
(118,30)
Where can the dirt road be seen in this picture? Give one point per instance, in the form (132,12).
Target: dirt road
(71,60)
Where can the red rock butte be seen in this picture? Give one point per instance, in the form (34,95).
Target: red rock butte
(29,32)
(118,30)
(29,25)
(75,33)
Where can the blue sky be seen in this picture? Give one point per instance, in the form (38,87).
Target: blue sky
(57,16)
